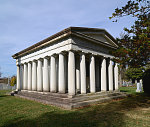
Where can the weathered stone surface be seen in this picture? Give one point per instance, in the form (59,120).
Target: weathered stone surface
(64,100)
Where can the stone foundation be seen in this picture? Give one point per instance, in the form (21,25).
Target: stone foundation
(69,102)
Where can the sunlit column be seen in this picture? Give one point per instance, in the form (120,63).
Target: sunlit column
(92,74)
(71,73)
(45,75)
(34,76)
(61,73)
(103,75)
(116,76)
(18,77)
(110,75)
(29,76)
(83,73)
(53,87)
(39,76)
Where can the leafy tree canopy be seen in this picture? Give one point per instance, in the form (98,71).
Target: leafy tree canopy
(13,81)
(134,46)
(134,73)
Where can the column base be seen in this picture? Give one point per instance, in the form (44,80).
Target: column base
(46,91)
(61,92)
(78,91)
(39,90)
(98,89)
(116,90)
(71,96)
(54,91)
(111,90)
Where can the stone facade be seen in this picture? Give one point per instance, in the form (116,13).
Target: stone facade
(74,61)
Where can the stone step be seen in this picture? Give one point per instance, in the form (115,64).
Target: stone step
(95,101)
(69,103)
(78,98)
(54,103)
(46,97)
(94,96)
(45,93)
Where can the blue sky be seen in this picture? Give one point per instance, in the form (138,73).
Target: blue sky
(25,22)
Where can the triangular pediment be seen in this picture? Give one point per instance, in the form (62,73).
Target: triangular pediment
(102,37)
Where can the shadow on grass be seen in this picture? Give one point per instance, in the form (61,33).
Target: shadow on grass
(107,114)
(3,95)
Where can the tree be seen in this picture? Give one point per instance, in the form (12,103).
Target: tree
(134,46)
(134,73)
(13,81)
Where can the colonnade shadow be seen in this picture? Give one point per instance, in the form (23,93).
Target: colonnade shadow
(107,114)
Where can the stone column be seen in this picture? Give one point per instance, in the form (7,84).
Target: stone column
(34,76)
(39,76)
(29,76)
(83,73)
(25,76)
(71,73)
(53,75)
(61,73)
(21,77)
(78,86)
(66,72)
(103,75)
(110,75)
(116,76)
(97,75)
(45,75)
(92,74)
(18,77)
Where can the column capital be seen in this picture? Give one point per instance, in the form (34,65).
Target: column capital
(104,57)
(116,64)
(81,53)
(34,60)
(41,59)
(62,52)
(46,57)
(29,62)
(21,64)
(72,51)
(54,55)
(25,63)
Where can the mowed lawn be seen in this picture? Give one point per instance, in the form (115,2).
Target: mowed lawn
(132,111)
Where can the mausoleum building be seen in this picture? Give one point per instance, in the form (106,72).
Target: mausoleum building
(76,60)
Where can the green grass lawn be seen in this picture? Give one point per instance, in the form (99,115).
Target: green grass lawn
(130,90)
(132,111)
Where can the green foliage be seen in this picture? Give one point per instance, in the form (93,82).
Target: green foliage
(13,81)
(134,73)
(134,46)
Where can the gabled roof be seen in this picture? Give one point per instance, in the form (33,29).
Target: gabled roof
(66,32)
